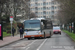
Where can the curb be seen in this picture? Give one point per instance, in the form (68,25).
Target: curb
(11,42)
(69,36)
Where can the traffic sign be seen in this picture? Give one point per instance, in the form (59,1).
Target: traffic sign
(11,18)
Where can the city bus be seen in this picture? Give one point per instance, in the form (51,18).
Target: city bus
(37,28)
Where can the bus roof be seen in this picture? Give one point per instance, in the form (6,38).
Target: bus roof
(32,20)
(37,19)
(41,19)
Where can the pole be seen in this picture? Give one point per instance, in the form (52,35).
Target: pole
(11,28)
(72,27)
(11,21)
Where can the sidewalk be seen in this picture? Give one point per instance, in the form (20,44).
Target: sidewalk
(8,40)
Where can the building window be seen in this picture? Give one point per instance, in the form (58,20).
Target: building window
(52,0)
(49,16)
(41,12)
(41,8)
(36,0)
(44,8)
(52,8)
(55,7)
(33,0)
(49,8)
(44,12)
(41,3)
(44,0)
(49,12)
(44,3)
(44,16)
(47,3)
(30,0)
(52,13)
(52,3)
(38,8)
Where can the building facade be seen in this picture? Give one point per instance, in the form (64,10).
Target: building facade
(44,8)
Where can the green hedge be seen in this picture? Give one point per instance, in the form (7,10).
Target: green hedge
(72,35)
(5,34)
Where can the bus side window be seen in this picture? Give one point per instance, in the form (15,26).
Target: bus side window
(41,23)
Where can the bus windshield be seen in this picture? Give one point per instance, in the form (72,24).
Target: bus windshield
(32,26)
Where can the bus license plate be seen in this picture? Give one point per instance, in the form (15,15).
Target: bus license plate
(32,36)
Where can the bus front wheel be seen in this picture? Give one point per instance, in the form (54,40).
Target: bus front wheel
(28,38)
(44,35)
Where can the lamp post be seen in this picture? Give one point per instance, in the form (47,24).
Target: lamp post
(72,26)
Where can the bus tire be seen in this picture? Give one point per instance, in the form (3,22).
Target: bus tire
(50,35)
(28,38)
(60,33)
(44,35)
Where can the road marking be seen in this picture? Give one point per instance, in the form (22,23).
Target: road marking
(31,43)
(41,44)
(27,48)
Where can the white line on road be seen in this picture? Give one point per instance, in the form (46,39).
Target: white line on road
(27,47)
(31,43)
(41,44)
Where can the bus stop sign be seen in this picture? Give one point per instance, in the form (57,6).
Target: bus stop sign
(11,18)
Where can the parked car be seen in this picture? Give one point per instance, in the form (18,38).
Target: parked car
(57,30)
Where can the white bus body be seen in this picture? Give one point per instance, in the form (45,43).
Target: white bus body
(36,28)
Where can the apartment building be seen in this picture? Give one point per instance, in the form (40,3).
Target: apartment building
(44,8)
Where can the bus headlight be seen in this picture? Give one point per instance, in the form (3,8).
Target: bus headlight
(25,33)
(39,32)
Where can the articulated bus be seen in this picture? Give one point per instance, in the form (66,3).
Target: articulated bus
(37,28)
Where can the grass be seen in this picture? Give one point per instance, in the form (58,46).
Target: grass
(72,35)
(7,27)
(6,34)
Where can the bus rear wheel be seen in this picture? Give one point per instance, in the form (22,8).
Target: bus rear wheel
(50,35)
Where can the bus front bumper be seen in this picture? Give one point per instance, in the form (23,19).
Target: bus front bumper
(32,36)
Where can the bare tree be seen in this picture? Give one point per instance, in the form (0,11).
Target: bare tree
(21,5)
(66,13)
(2,7)
(32,15)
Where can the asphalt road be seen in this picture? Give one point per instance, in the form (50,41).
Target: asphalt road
(56,42)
